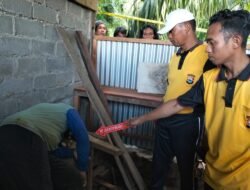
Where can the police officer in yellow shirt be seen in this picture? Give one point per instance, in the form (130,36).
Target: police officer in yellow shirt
(178,135)
(225,94)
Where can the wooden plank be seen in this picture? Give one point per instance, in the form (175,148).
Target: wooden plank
(134,101)
(90,68)
(76,102)
(91,4)
(106,184)
(125,96)
(104,146)
(92,94)
(90,171)
(124,92)
(133,40)
(106,117)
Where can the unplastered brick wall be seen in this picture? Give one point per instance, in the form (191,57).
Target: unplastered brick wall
(34,65)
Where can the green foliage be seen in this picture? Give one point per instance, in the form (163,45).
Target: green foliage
(111,6)
(151,9)
(158,9)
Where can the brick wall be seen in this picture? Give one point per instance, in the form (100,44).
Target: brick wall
(34,65)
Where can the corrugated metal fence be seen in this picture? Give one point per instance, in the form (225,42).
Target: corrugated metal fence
(117,66)
(117,63)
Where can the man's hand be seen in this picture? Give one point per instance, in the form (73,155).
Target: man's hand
(84,178)
(136,121)
(165,110)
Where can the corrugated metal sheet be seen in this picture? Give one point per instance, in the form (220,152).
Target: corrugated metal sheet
(117,64)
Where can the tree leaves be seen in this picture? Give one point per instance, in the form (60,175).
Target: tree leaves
(158,9)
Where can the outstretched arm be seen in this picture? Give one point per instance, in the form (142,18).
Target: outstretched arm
(191,98)
(166,109)
(80,133)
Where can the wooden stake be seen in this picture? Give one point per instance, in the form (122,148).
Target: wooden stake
(106,117)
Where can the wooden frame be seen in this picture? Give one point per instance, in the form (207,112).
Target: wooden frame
(83,65)
(133,40)
(121,95)
(91,4)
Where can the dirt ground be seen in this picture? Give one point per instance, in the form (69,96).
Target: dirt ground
(107,170)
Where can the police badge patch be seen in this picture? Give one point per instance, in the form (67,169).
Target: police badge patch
(248,122)
(190,79)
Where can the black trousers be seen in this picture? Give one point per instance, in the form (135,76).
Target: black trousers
(64,174)
(177,136)
(207,187)
(26,164)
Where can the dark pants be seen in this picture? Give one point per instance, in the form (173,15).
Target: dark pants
(179,141)
(26,164)
(65,176)
(207,187)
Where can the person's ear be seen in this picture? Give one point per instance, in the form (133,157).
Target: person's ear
(237,41)
(187,27)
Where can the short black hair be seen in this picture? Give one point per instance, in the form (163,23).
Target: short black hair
(233,22)
(120,29)
(156,36)
(193,24)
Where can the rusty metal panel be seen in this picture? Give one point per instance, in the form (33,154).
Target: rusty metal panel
(140,136)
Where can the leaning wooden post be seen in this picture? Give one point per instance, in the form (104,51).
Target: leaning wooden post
(102,112)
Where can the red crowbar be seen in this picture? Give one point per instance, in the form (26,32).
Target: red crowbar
(103,131)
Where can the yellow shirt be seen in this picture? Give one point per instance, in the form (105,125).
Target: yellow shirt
(181,80)
(228,131)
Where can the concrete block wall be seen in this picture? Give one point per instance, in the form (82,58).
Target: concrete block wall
(34,65)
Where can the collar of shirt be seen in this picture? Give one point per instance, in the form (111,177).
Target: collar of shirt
(181,53)
(243,76)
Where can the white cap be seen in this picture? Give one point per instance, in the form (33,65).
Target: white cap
(175,17)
